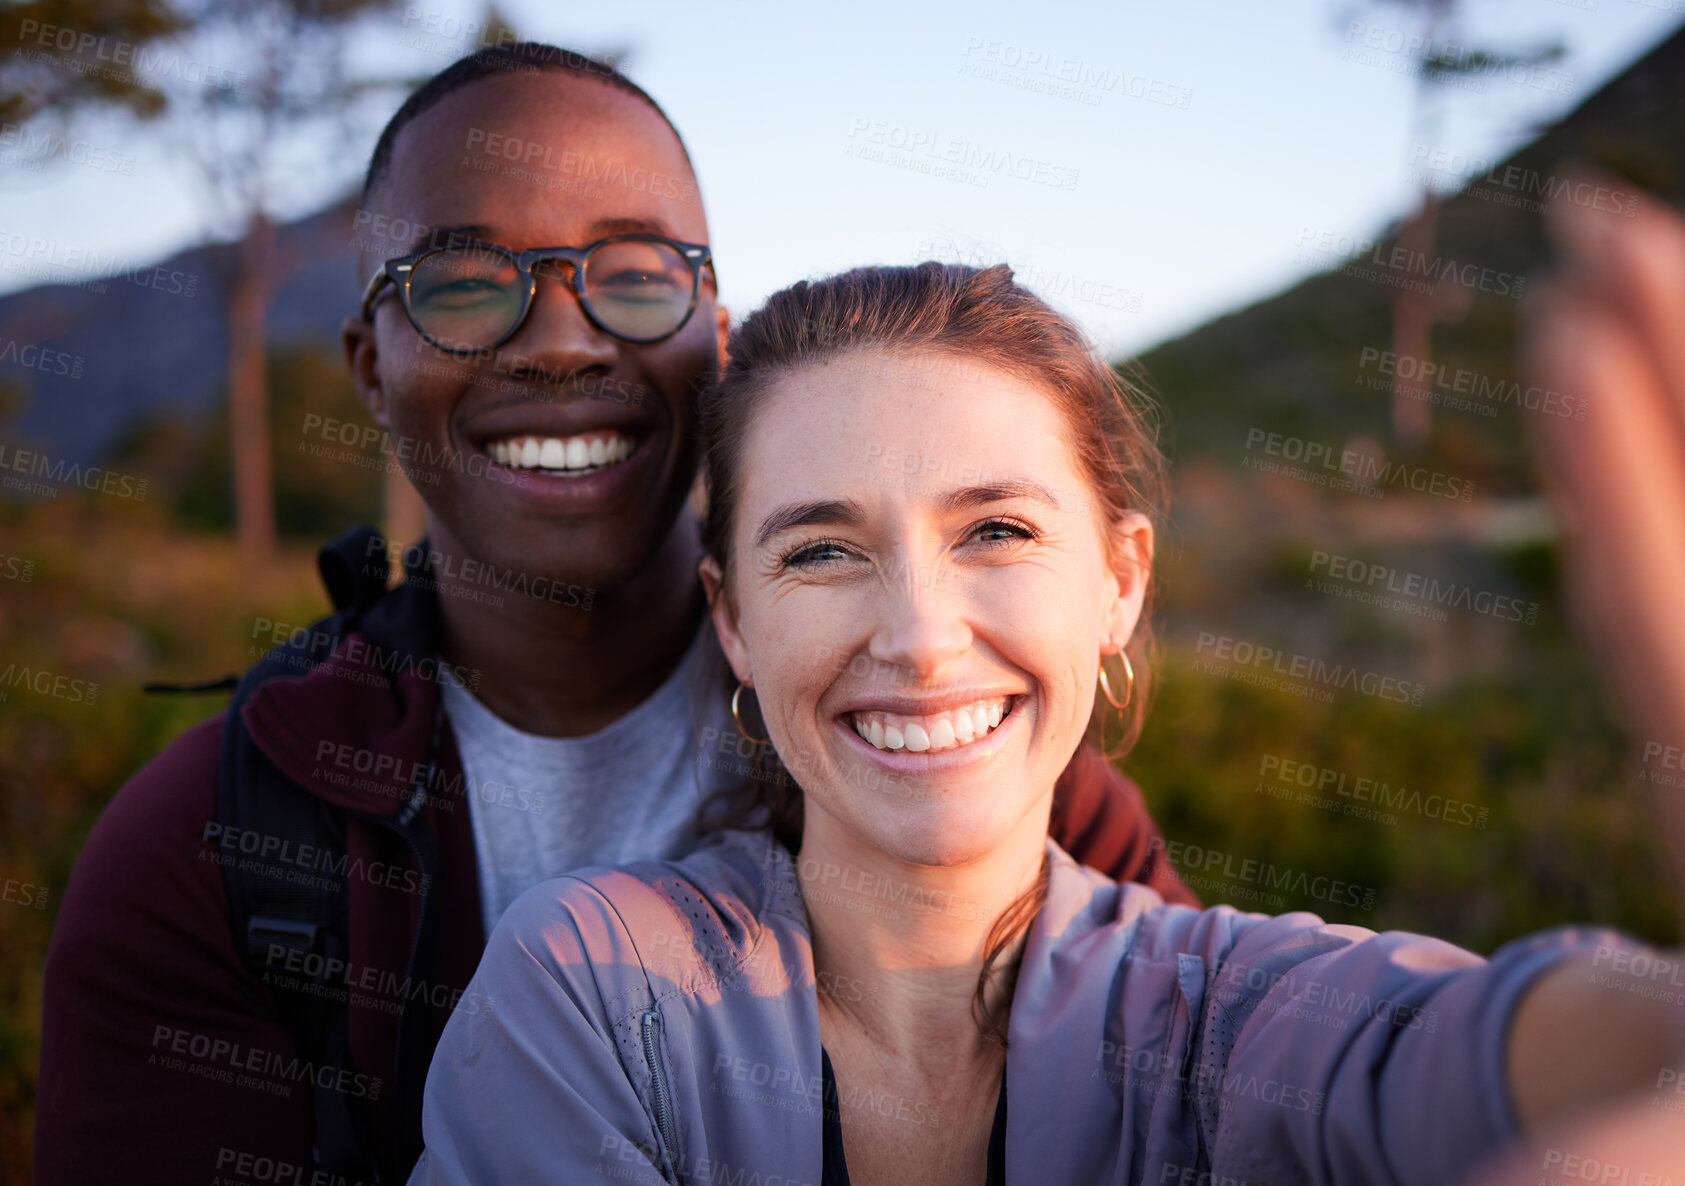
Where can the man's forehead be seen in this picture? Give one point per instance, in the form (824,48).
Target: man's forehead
(503,149)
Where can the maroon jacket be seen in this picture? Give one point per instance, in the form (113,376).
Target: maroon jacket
(163,1059)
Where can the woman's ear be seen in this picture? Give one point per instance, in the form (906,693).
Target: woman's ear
(1129,574)
(724,613)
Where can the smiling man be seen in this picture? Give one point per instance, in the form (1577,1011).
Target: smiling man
(542,692)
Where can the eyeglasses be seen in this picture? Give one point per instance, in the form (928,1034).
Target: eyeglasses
(469,296)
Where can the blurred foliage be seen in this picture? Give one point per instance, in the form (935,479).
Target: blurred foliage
(327,467)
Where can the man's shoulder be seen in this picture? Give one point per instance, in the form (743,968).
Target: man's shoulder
(164,807)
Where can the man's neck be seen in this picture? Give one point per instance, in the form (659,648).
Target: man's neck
(555,669)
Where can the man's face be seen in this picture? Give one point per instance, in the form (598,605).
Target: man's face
(539,160)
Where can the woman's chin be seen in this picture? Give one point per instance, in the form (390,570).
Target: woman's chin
(939,836)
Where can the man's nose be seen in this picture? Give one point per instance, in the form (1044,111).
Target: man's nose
(557,339)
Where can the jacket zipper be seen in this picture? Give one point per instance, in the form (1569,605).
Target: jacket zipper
(663,1098)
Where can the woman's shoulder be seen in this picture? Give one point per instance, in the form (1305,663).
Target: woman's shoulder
(701,915)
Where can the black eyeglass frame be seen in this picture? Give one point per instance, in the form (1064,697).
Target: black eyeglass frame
(397,272)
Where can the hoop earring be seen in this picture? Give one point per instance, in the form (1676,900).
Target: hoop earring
(1106,684)
(736,716)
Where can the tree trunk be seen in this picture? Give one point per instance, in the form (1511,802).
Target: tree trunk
(248,404)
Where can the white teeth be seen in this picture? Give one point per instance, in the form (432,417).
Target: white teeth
(934,733)
(560,453)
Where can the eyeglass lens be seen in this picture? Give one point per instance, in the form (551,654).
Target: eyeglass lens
(471,297)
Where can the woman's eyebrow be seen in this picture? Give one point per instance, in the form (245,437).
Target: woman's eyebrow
(967,497)
(843,512)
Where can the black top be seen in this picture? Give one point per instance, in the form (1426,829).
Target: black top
(834,1169)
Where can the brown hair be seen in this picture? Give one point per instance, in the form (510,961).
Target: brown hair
(975,317)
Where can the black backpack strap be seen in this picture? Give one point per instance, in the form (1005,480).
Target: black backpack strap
(289,921)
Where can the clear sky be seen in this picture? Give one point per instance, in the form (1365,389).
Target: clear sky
(1147,165)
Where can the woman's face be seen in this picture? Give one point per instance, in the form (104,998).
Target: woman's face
(922,592)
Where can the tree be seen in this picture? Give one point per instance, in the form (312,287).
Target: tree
(1440,60)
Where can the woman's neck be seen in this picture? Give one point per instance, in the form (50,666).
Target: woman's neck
(898,947)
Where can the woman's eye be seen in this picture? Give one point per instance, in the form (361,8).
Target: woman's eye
(1001,531)
(822,552)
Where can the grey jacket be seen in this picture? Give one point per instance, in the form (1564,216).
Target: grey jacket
(659,1023)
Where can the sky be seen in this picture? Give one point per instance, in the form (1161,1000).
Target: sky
(1145,166)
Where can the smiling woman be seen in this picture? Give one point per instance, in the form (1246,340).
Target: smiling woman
(889,946)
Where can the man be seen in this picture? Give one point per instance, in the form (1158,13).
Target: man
(536,696)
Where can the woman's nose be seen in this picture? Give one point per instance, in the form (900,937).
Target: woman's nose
(925,620)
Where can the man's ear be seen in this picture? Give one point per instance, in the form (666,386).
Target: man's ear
(1129,575)
(362,359)
(724,613)
(722,326)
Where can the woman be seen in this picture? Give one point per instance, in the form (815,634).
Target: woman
(931,984)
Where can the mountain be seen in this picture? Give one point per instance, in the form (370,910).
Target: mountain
(1312,362)
(152,341)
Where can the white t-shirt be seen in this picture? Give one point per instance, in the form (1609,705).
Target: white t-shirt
(542,806)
